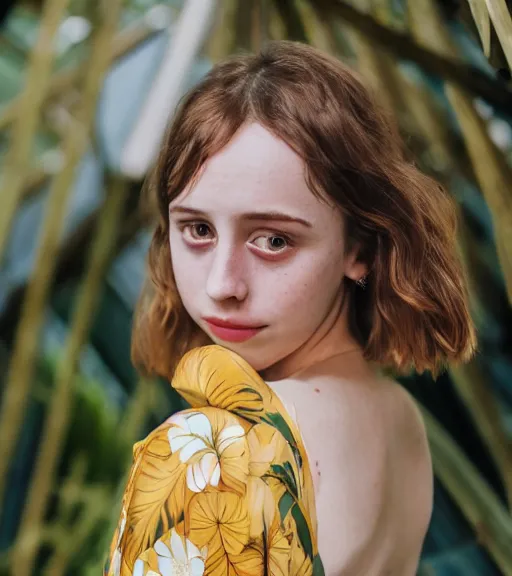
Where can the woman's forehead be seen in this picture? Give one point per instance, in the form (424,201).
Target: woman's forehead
(255,171)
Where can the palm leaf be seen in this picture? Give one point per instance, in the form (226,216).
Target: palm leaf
(486,514)
(502,21)
(483,23)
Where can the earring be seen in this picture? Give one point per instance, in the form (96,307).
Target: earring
(362,282)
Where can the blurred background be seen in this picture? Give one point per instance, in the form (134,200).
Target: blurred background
(86,90)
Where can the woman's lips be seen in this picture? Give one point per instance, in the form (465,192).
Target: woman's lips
(233,334)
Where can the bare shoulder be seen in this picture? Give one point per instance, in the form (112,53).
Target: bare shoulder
(370,458)
(380,412)
(377,417)
(408,433)
(403,413)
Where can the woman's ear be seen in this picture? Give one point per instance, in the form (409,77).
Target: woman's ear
(355,269)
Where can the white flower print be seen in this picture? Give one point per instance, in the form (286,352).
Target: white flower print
(192,434)
(116,558)
(116,562)
(177,556)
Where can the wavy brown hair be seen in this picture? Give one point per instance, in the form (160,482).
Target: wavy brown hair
(414,312)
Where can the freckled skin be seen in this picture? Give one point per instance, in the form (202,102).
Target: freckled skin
(297,292)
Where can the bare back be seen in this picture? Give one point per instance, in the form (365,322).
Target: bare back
(371,464)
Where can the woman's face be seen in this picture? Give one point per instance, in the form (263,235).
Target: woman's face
(251,245)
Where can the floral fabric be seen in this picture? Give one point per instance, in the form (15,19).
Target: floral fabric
(223,488)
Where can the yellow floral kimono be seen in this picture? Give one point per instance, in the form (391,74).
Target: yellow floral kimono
(223,488)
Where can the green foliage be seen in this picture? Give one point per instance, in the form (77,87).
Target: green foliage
(87,491)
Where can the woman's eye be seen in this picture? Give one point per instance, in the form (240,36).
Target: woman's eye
(272,243)
(197,231)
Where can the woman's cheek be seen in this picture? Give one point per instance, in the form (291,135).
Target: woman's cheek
(291,295)
(187,280)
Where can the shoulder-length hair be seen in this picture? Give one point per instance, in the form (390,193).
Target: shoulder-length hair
(414,312)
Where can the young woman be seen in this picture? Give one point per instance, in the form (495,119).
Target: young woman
(297,253)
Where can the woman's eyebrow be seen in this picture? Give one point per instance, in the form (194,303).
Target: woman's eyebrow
(274,216)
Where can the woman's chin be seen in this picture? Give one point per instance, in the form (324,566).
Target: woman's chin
(253,350)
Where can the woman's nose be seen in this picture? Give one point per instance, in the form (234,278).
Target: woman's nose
(226,278)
